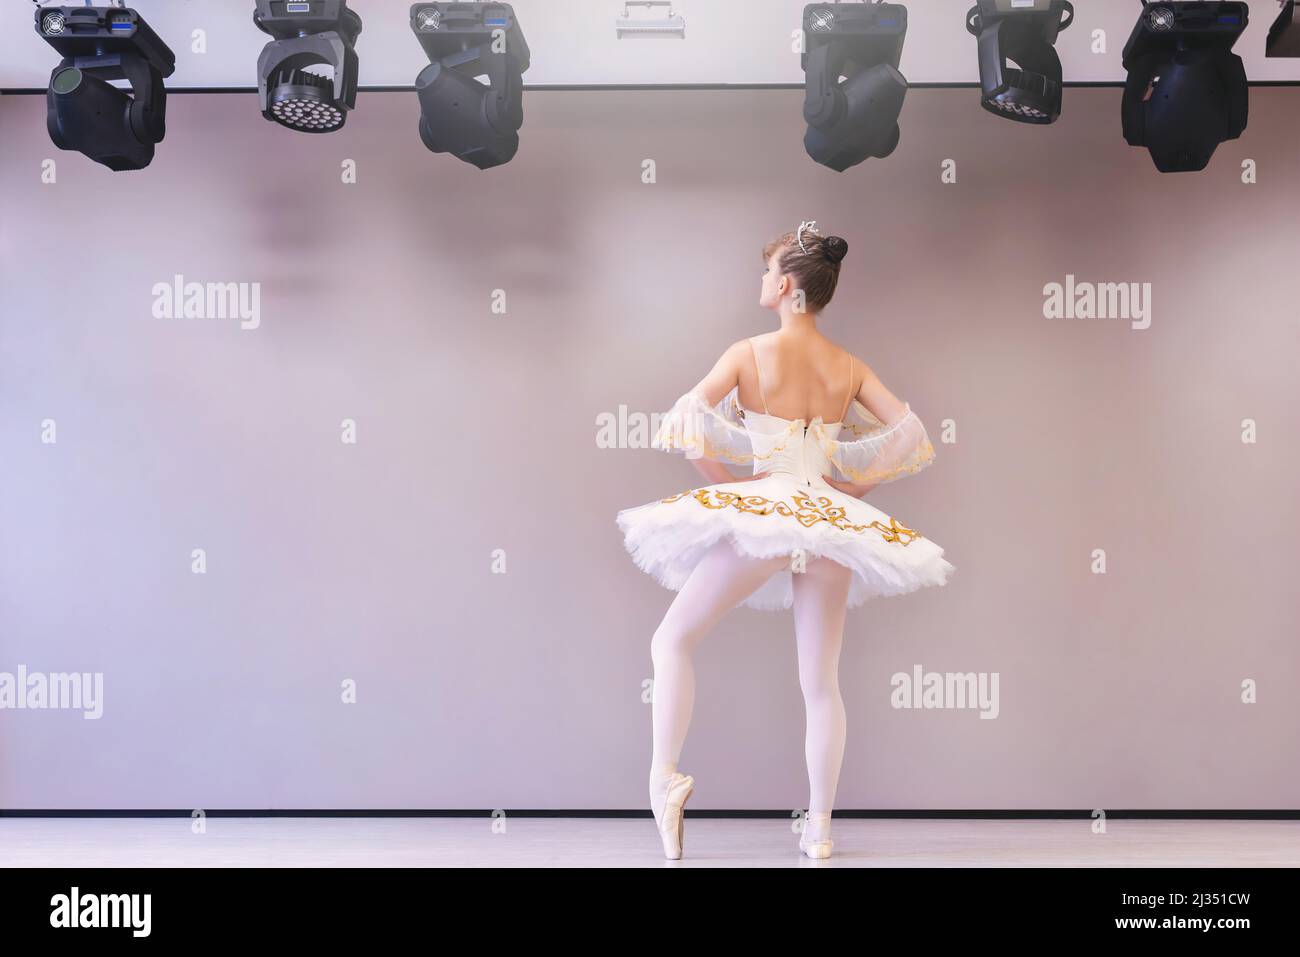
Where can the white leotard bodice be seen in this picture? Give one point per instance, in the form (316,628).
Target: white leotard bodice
(790,446)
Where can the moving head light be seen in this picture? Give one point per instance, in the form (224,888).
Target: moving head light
(459,115)
(86,113)
(855,119)
(307,33)
(1284,34)
(1186,91)
(1024,32)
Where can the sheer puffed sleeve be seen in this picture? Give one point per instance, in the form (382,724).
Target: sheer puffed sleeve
(870,452)
(700,430)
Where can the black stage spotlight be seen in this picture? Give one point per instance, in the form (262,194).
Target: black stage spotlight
(307,33)
(1023,32)
(474,122)
(1186,90)
(86,113)
(855,119)
(1284,34)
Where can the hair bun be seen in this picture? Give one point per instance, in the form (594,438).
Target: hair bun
(836,248)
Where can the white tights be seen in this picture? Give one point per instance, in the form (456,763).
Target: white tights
(720,582)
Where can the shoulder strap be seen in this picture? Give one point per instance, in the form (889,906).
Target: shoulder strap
(759,369)
(848,398)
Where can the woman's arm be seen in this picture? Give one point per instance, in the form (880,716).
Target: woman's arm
(886,407)
(721,379)
(880,402)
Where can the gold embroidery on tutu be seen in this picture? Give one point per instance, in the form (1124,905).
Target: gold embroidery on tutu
(806,511)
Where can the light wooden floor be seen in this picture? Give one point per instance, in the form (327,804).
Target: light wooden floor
(710,842)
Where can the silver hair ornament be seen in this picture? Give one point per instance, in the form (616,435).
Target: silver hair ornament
(811,226)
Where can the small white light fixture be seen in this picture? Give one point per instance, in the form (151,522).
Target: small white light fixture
(650,23)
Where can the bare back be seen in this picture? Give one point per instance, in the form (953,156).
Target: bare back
(798,377)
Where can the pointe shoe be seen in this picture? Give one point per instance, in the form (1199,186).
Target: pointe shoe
(671,821)
(818,850)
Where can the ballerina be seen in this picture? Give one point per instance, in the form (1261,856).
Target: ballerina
(794,534)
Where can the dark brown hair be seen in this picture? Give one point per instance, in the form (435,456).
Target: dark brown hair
(816,271)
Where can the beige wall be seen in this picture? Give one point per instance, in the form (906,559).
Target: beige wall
(477,432)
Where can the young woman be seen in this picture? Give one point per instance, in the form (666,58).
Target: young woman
(794,533)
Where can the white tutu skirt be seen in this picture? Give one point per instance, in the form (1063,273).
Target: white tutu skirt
(777,515)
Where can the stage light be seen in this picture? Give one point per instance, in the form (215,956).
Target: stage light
(851,120)
(308,33)
(1022,32)
(475,122)
(84,111)
(1186,90)
(1284,34)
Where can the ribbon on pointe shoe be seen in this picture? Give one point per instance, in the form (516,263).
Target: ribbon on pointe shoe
(816,828)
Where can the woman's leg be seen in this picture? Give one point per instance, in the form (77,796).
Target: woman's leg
(720,582)
(820,604)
